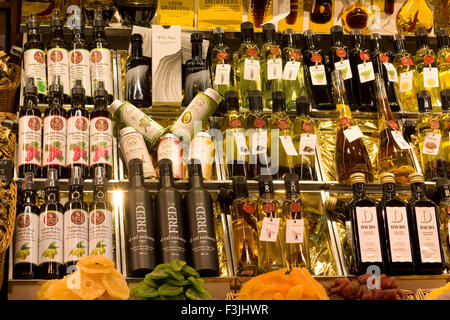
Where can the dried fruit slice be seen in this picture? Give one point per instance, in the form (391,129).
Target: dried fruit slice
(169,290)
(150,282)
(193,294)
(116,285)
(146,291)
(86,287)
(95,264)
(197,284)
(59,291)
(176,275)
(159,274)
(178,283)
(189,271)
(177,265)
(44,288)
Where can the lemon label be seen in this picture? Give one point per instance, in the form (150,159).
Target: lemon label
(75,234)
(100,233)
(406,81)
(26,238)
(430,77)
(51,237)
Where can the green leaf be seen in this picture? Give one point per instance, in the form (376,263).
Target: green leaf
(46,147)
(38,158)
(103,144)
(93,148)
(25,246)
(35,144)
(82,144)
(60,158)
(100,244)
(52,245)
(107,157)
(80,245)
(57,144)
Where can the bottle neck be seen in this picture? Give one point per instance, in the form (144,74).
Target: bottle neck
(30,101)
(57,33)
(196,181)
(389,191)
(310,45)
(100,192)
(359,191)
(51,194)
(33,35)
(376,46)
(99,33)
(166,181)
(76,192)
(196,50)
(136,49)
(336,39)
(78,101)
(78,36)
(219,40)
(56,99)
(399,46)
(29,197)
(100,103)
(137,181)
(357,42)
(422,42)
(418,190)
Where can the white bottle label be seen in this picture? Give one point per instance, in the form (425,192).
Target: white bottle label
(274,69)
(101,69)
(307,144)
(400,246)
(133,146)
(353,133)
(77,140)
(30,150)
(75,234)
(344,67)
(202,149)
(169,148)
(259,142)
(391,71)
(366,72)
(58,64)
(251,70)
(34,67)
(269,229)
(26,239)
(406,81)
(369,237)
(51,237)
(241,145)
(430,77)
(428,235)
(100,233)
(401,142)
(288,145)
(80,69)
(291,69)
(222,74)
(101,141)
(54,140)
(431,143)
(294,230)
(318,76)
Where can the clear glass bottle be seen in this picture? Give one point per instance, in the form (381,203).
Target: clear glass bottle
(222,64)
(441,15)
(137,12)
(321,17)
(443,186)
(443,57)
(356,15)
(413,15)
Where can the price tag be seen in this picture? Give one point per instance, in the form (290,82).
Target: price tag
(251,70)
(291,70)
(366,72)
(6,171)
(431,143)
(406,81)
(307,144)
(294,230)
(269,229)
(274,69)
(288,145)
(222,74)
(430,77)
(401,142)
(353,133)
(259,142)
(391,71)
(344,67)
(318,76)
(241,145)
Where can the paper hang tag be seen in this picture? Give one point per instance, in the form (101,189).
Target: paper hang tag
(288,145)
(307,144)
(251,70)
(269,229)
(291,69)
(274,69)
(344,67)
(431,143)
(353,133)
(366,72)
(430,77)
(222,75)
(391,71)
(401,142)
(294,230)
(406,81)
(241,145)
(318,76)
(259,142)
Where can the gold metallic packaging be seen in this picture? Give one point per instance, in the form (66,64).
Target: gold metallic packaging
(176,13)
(226,14)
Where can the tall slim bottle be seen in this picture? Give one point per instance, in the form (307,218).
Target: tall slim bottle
(443,58)
(245,230)
(171,237)
(222,67)
(51,230)
(445,125)
(427,238)
(398,229)
(200,225)
(443,186)
(139,224)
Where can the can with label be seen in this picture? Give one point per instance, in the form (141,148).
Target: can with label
(202,149)
(170,148)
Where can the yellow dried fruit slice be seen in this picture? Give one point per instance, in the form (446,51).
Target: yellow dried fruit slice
(44,288)
(59,291)
(95,264)
(85,286)
(106,296)
(116,285)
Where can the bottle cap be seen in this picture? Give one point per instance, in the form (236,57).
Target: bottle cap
(30,88)
(399,42)
(422,37)
(357,38)
(100,91)
(442,38)
(337,33)
(32,22)
(56,85)
(28,183)
(218,30)
(165,167)
(302,105)
(356,32)
(240,186)
(309,33)
(255,100)
(76,176)
(288,37)
(247,31)
(135,167)
(265,184)
(78,88)
(56,19)
(196,37)
(126,130)
(291,183)
(195,168)
(213,94)
(98,19)
(357,177)
(416,177)
(278,101)
(445,98)
(136,37)
(424,100)
(100,176)
(330,203)
(387,177)
(52,178)
(231,100)
(114,106)
(218,34)
(269,31)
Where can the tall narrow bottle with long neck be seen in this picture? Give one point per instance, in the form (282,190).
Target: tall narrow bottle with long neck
(394,154)
(443,186)
(222,68)
(445,125)
(351,155)
(443,57)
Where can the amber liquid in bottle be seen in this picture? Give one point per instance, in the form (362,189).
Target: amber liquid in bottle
(443,186)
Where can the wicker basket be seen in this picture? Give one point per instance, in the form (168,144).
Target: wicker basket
(8,93)
(421,294)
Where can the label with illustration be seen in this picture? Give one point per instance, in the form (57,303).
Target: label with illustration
(77,140)
(294,230)
(100,233)
(391,72)
(427,227)
(26,238)
(368,232)
(76,238)
(344,67)
(133,146)
(274,69)
(307,144)
(51,237)
(251,70)
(431,143)
(430,77)
(290,71)
(34,67)
(269,229)
(101,69)
(170,148)
(80,69)
(30,140)
(318,76)
(406,81)
(101,141)
(222,76)
(54,140)
(58,64)
(366,72)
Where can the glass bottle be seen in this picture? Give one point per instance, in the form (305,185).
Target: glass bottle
(137,12)
(426,66)
(51,230)
(318,80)
(249,63)
(364,229)
(441,15)
(363,73)
(30,146)
(425,224)
(429,136)
(138,76)
(293,74)
(271,64)
(351,154)
(296,234)
(339,59)
(270,226)
(259,11)
(443,58)
(256,124)
(26,241)
(321,17)
(398,229)
(445,125)
(443,186)
(305,137)
(106,6)
(235,147)
(407,75)
(394,154)
(413,15)
(222,68)
(356,15)
(294,20)
(245,230)
(383,66)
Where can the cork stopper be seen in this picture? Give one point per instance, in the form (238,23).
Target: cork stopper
(387,177)
(357,177)
(416,177)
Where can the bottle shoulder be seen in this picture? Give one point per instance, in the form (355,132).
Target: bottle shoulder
(51,206)
(54,110)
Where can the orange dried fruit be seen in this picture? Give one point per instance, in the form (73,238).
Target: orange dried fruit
(95,264)
(59,291)
(116,285)
(44,288)
(86,287)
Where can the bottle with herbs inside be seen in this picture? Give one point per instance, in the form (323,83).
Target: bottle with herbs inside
(321,17)
(356,15)
(222,68)
(443,186)
(445,125)
(443,57)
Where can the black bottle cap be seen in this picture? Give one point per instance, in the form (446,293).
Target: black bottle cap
(302,105)
(357,38)
(78,88)
(100,91)
(240,187)
(56,86)
(247,31)
(255,100)
(278,101)
(100,176)
(424,100)
(165,167)
(52,178)
(309,37)
(28,183)
(399,42)
(195,168)
(291,184)
(289,37)
(269,31)
(98,19)
(445,98)
(56,19)
(135,167)
(375,41)
(218,34)
(231,100)
(32,22)
(30,88)
(76,178)
(265,184)
(136,37)
(443,186)
(422,37)
(337,34)
(196,37)
(442,38)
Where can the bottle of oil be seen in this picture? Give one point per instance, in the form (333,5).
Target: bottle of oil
(443,57)
(443,186)
(445,125)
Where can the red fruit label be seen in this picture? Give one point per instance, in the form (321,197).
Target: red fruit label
(235,123)
(30,147)
(39,57)
(283,124)
(294,55)
(307,127)
(364,55)
(393,124)
(50,219)
(76,57)
(316,58)
(54,147)
(274,50)
(407,61)
(23,221)
(170,148)
(384,58)
(249,208)
(56,55)
(77,217)
(101,142)
(259,123)
(97,217)
(252,52)
(269,207)
(295,207)
(447,58)
(341,53)
(101,125)
(434,124)
(57,124)
(96,56)
(222,55)
(345,121)
(448,210)
(81,124)
(78,140)
(34,124)
(428,59)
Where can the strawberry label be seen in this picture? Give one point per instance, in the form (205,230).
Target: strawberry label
(294,55)
(30,150)
(34,67)
(407,61)
(79,68)
(316,58)
(252,52)
(434,124)
(54,140)
(428,59)
(295,207)
(58,64)
(364,56)
(77,140)
(341,53)
(307,127)
(393,124)
(101,141)
(235,123)
(249,208)
(259,123)
(274,50)
(101,69)
(283,124)
(222,55)
(269,207)
(384,58)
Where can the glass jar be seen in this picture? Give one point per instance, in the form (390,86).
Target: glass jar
(413,15)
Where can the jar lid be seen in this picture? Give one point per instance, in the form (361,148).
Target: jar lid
(387,177)
(416,177)
(357,177)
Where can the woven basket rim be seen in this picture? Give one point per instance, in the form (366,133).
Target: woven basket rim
(15,84)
